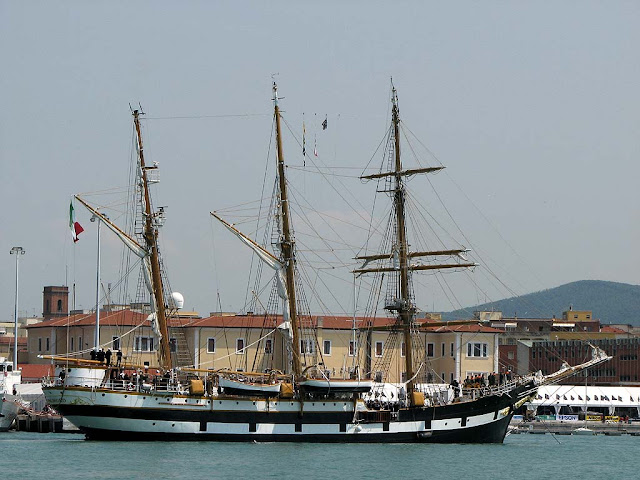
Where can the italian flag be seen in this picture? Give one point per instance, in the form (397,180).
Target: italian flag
(74,226)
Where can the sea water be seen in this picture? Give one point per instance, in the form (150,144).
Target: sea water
(68,456)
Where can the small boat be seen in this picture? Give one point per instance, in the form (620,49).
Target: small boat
(241,385)
(335,385)
(583,431)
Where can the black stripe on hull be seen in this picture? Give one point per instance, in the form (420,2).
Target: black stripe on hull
(490,433)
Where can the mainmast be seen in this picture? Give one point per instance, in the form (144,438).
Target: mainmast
(150,235)
(287,243)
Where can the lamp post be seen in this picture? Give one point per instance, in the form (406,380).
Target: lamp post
(96,342)
(17,251)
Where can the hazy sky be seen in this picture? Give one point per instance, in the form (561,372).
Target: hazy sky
(532,106)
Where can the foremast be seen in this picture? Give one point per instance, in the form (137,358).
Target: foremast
(287,243)
(406,309)
(150,235)
(403,305)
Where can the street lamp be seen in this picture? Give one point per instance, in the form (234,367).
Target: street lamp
(97,218)
(17,251)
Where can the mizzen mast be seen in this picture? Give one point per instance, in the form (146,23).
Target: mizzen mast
(150,235)
(287,243)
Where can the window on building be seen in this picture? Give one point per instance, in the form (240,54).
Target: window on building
(442,350)
(452,350)
(306,346)
(48,307)
(352,348)
(71,348)
(451,378)
(80,347)
(47,343)
(379,348)
(430,350)
(378,377)
(240,350)
(403,349)
(268,346)
(510,355)
(211,345)
(326,349)
(443,377)
(39,344)
(59,305)
(143,344)
(477,349)
(115,343)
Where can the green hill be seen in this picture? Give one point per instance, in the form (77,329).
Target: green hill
(610,302)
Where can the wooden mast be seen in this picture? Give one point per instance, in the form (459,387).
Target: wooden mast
(406,310)
(150,235)
(287,244)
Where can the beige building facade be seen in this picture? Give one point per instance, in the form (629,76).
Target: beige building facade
(258,343)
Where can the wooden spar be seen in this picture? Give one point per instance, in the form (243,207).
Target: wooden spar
(92,363)
(403,173)
(287,245)
(434,253)
(416,267)
(407,310)
(151,239)
(107,222)
(451,323)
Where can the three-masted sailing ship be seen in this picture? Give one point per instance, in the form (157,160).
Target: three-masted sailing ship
(304,403)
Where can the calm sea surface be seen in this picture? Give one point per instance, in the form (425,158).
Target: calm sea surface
(68,456)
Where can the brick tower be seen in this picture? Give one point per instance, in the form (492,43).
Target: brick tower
(55,302)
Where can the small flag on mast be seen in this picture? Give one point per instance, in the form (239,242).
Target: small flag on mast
(75,227)
(324,124)
(304,140)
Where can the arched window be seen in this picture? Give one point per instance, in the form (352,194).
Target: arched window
(59,305)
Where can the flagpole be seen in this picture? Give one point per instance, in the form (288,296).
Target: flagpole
(17,251)
(97,330)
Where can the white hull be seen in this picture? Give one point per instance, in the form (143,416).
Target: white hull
(583,431)
(8,411)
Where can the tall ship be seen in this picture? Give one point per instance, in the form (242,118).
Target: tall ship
(302,402)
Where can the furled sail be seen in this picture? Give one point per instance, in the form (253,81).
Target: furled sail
(271,261)
(134,246)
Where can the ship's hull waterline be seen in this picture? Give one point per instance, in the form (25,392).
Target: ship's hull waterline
(115,415)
